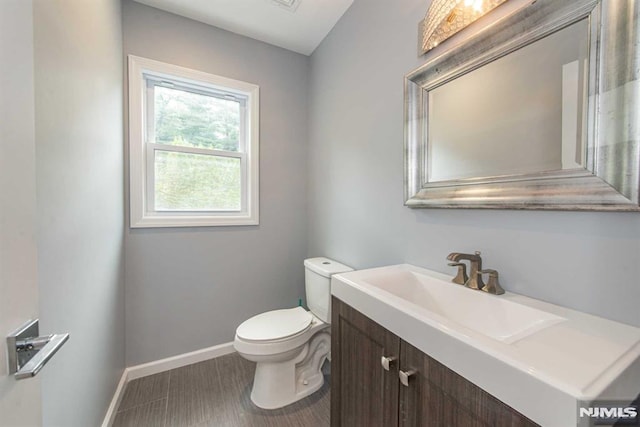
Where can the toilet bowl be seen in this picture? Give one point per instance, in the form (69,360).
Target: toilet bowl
(290,346)
(288,363)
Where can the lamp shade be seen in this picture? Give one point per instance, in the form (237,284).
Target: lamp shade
(446,17)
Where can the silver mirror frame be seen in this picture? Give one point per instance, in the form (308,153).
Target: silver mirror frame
(611,180)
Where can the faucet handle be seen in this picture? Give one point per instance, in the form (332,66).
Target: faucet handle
(493,285)
(461,278)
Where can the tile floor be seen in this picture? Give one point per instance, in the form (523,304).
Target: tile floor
(211,394)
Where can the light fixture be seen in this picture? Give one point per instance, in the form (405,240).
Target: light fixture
(290,5)
(446,17)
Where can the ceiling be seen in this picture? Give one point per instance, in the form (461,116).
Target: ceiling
(300,29)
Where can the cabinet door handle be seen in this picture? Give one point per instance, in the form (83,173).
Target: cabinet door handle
(405,375)
(386,362)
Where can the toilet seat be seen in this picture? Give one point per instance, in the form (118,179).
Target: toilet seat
(275,325)
(281,345)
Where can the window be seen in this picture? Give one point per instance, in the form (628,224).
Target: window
(193,147)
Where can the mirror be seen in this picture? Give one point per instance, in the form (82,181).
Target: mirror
(537,111)
(522,113)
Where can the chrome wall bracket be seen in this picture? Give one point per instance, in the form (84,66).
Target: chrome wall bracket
(29,352)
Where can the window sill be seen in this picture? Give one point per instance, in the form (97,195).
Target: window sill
(163,221)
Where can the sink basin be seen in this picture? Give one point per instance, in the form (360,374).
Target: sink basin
(493,316)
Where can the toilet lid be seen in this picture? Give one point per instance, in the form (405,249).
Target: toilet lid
(274,325)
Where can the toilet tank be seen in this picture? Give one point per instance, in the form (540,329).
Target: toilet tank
(317,278)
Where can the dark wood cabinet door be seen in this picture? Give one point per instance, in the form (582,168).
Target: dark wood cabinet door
(438,397)
(363,393)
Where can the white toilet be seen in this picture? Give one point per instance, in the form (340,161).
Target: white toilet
(291,345)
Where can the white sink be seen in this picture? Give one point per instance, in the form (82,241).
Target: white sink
(491,315)
(541,359)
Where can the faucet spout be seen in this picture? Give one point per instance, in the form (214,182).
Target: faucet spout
(457,256)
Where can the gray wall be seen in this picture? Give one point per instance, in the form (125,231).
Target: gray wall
(79,169)
(587,261)
(187,289)
(18,262)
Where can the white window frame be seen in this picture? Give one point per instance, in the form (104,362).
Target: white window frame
(141,151)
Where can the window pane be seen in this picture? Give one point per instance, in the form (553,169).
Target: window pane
(196,182)
(196,120)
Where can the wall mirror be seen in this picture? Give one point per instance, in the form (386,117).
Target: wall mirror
(540,110)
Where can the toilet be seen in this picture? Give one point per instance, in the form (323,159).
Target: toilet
(290,345)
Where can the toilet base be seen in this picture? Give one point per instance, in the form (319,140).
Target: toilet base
(279,384)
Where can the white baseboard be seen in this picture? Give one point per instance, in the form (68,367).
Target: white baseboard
(179,361)
(162,365)
(115,401)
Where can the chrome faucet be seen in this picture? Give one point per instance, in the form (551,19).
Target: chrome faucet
(474,280)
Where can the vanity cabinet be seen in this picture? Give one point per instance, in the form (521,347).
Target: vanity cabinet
(364,393)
